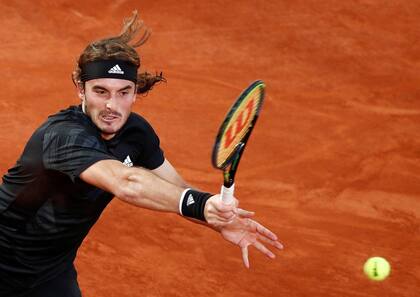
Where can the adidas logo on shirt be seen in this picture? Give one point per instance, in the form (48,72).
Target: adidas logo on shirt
(190,200)
(127,162)
(116,69)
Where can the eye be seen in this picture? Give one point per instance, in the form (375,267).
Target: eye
(99,91)
(125,94)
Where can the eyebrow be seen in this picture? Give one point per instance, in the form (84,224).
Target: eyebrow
(128,87)
(96,87)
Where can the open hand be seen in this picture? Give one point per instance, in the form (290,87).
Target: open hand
(243,231)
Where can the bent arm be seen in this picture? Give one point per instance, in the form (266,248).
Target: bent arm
(134,185)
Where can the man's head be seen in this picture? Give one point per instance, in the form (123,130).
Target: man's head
(107,80)
(108,102)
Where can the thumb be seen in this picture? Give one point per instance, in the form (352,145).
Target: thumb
(244,213)
(222,207)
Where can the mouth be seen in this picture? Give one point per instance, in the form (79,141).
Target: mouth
(109,118)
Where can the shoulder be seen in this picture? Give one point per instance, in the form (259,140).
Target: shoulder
(137,120)
(70,119)
(72,126)
(137,123)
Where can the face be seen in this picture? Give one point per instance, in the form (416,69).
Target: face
(108,102)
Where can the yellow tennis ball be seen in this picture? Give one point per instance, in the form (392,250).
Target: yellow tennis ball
(377,268)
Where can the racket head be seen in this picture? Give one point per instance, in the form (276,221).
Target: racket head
(237,125)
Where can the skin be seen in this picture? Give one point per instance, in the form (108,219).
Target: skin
(108,102)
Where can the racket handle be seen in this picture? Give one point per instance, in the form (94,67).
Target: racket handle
(227,194)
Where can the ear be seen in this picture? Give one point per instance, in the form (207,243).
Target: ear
(135,93)
(80,91)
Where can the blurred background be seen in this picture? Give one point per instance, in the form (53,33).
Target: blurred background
(333,166)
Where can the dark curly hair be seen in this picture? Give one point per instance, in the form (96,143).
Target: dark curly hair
(119,47)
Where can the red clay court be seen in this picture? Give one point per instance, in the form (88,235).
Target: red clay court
(333,165)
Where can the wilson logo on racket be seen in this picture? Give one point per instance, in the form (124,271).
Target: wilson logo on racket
(241,123)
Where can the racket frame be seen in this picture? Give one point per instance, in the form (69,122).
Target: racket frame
(230,165)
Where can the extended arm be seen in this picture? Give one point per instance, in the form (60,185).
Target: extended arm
(134,185)
(161,190)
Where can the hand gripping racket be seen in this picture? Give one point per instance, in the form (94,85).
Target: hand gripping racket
(234,134)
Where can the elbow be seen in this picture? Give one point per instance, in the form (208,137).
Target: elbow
(127,193)
(129,188)
(123,194)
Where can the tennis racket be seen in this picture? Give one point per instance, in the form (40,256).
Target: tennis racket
(234,134)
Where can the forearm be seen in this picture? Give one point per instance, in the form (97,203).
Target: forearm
(167,172)
(142,188)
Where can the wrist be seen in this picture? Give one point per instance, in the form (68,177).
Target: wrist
(192,204)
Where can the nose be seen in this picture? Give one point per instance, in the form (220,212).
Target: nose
(110,103)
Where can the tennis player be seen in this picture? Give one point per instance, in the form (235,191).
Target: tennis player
(80,158)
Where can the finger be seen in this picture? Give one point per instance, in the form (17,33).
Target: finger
(278,245)
(265,231)
(226,216)
(235,202)
(274,243)
(244,213)
(245,256)
(259,246)
(220,211)
(221,207)
(218,220)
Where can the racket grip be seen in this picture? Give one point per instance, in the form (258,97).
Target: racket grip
(227,194)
